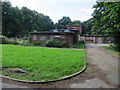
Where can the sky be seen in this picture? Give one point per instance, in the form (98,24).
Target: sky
(56,9)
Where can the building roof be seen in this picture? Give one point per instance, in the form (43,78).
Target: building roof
(54,31)
(96,35)
(74,25)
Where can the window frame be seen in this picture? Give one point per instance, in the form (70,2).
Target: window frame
(42,38)
(34,37)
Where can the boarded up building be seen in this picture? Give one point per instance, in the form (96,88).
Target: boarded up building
(98,39)
(63,35)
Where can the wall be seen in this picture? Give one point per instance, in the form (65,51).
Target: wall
(97,39)
(68,37)
(88,39)
(105,39)
(76,28)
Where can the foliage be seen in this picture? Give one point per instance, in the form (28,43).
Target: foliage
(81,45)
(87,26)
(63,23)
(112,49)
(82,42)
(17,21)
(76,23)
(55,43)
(26,44)
(66,21)
(5,40)
(42,64)
(106,20)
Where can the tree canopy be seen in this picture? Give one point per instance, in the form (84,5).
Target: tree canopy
(63,23)
(17,21)
(106,20)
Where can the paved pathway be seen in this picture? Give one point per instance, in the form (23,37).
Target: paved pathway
(104,60)
(6,85)
(10,85)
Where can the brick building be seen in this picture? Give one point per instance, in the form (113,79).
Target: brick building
(76,29)
(98,39)
(61,34)
(71,35)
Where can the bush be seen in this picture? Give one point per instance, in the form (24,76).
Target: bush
(14,42)
(81,44)
(26,44)
(36,44)
(64,44)
(26,38)
(5,40)
(55,43)
(116,47)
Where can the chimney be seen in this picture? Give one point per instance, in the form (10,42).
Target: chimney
(35,30)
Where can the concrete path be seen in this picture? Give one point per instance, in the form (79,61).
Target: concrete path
(6,85)
(92,83)
(9,85)
(106,61)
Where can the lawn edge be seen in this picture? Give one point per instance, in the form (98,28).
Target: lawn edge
(63,78)
(52,47)
(109,51)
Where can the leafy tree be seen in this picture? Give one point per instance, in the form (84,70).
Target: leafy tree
(86,26)
(76,23)
(22,21)
(63,23)
(106,20)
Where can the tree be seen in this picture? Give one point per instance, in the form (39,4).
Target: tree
(22,21)
(106,20)
(6,13)
(86,27)
(63,23)
(76,23)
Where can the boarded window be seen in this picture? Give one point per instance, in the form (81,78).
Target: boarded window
(108,38)
(42,37)
(34,37)
(57,36)
(88,38)
(63,37)
(52,37)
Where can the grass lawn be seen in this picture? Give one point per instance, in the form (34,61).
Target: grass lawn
(41,64)
(111,49)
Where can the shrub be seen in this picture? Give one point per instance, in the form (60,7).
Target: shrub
(26,44)
(55,43)
(15,42)
(81,44)
(26,38)
(5,40)
(64,44)
(36,43)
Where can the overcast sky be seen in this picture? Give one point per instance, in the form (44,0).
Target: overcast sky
(56,9)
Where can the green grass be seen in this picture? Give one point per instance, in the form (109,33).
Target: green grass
(42,64)
(111,49)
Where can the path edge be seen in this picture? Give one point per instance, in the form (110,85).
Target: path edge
(63,78)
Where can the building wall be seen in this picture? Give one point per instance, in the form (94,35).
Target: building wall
(104,39)
(97,39)
(64,37)
(79,28)
(89,39)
